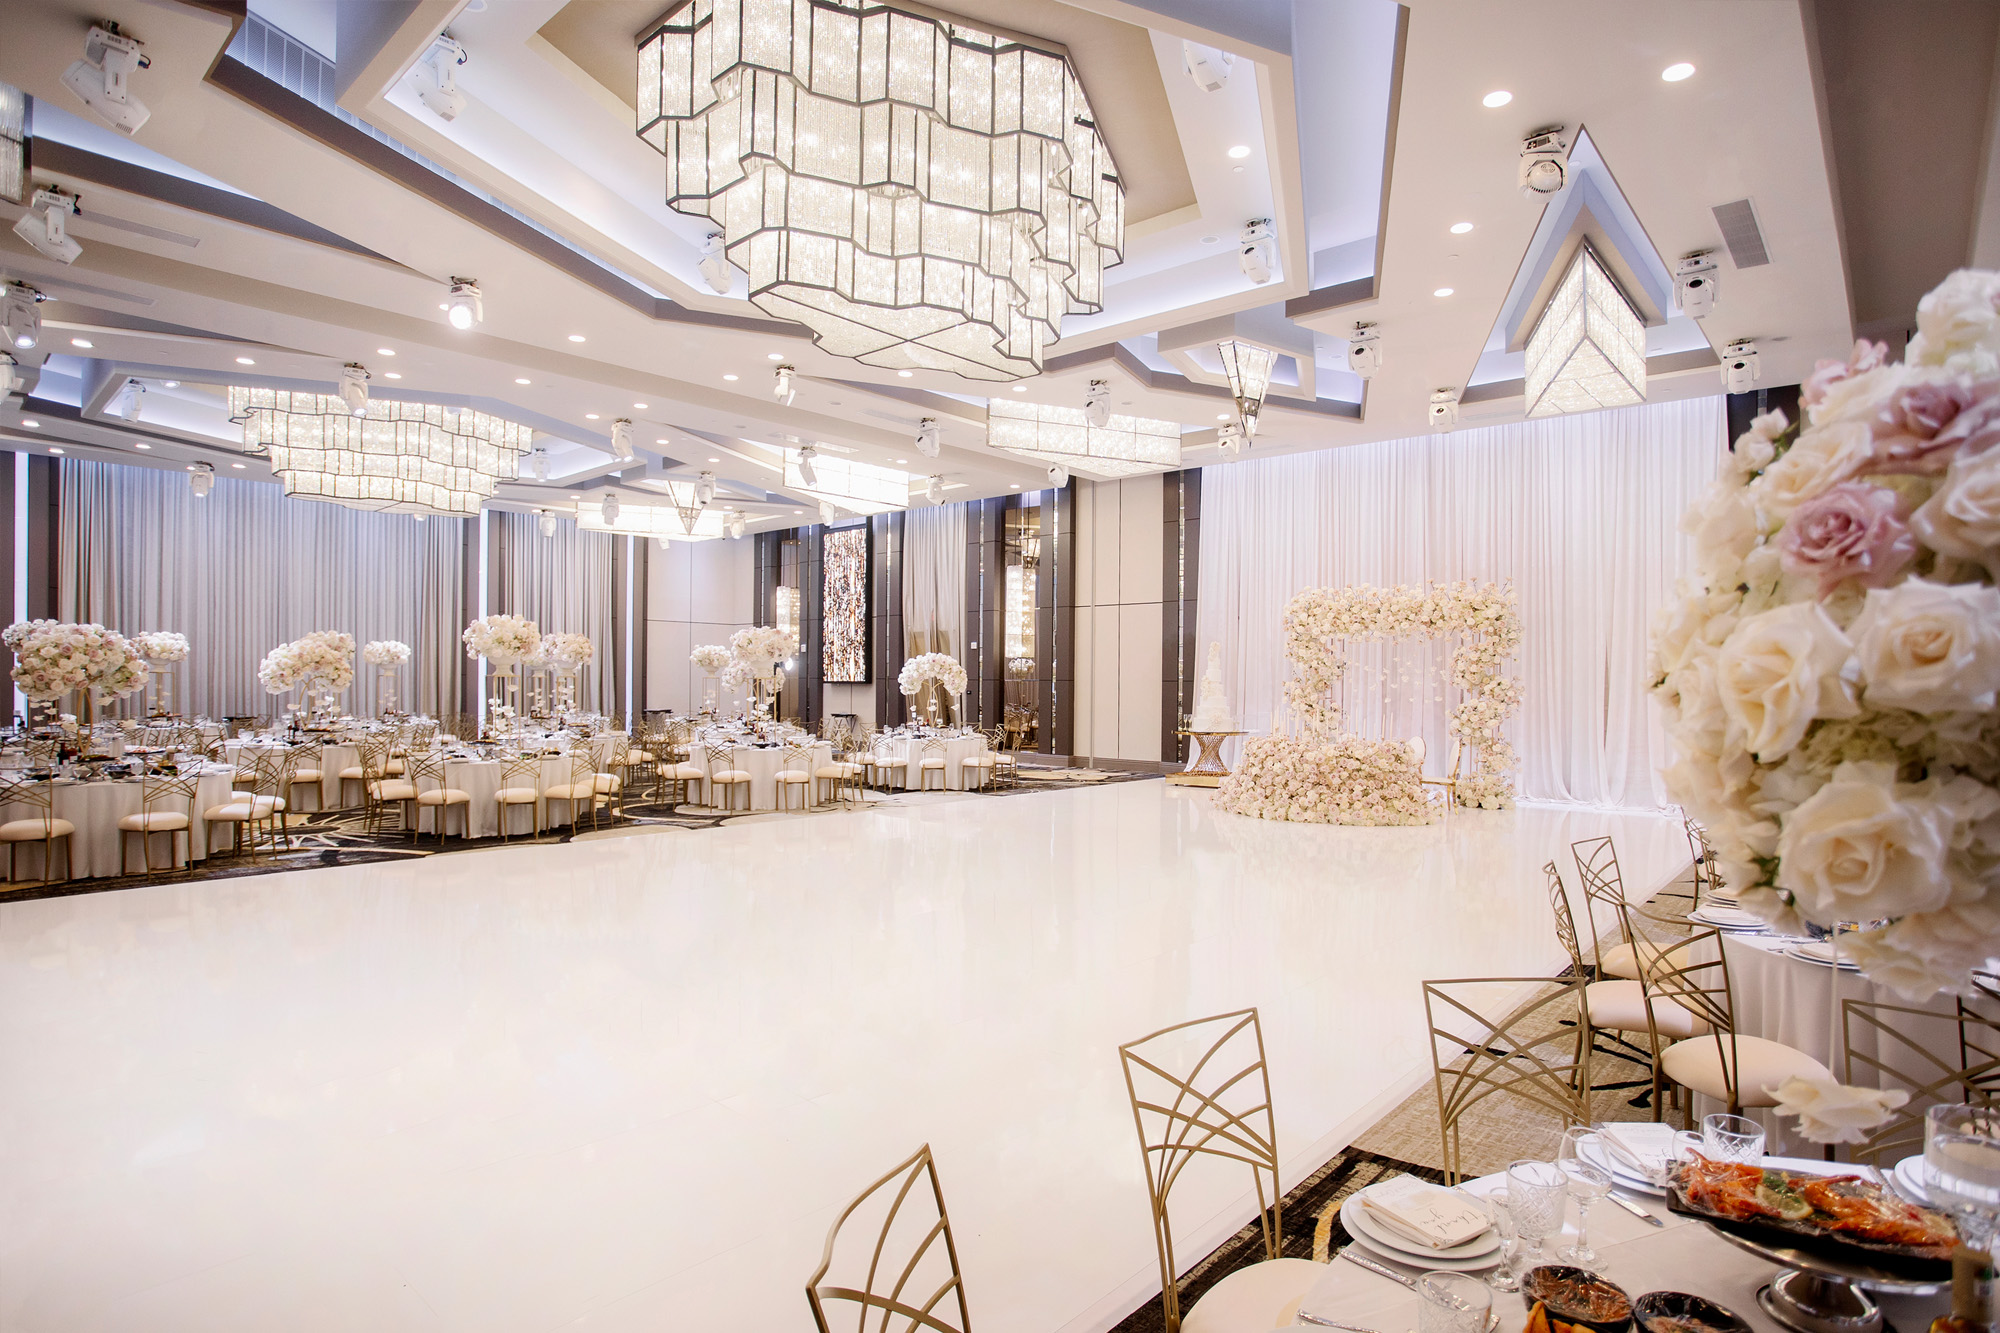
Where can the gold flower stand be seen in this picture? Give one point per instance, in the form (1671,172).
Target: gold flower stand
(1206,769)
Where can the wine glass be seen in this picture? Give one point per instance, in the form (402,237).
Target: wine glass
(1733,1138)
(1506,1277)
(1581,1157)
(1535,1193)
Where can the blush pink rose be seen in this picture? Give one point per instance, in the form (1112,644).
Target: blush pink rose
(1851,531)
(1866,356)
(1924,425)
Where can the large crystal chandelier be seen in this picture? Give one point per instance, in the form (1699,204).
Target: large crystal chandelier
(1121,447)
(413,458)
(918,193)
(1588,349)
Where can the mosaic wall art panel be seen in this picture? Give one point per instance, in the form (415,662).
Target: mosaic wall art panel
(844,630)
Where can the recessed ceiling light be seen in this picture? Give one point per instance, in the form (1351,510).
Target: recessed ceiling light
(140,444)
(81,342)
(638,407)
(576,337)
(1240,151)
(574,497)
(798,511)
(520,379)
(55,449)
(245,361)
(774,356)
(1013,485)
(31,423)
(1020,388)
(170,384)
(729,377)
(902,460)
(1211,240)
(590,416)
(712,460)
(391,375)
(236,465)
(1442,291)
(1498,97)
(905,373)
(1238,169)
(1460,228)
(385,351)
(1222,416)
(1676,72)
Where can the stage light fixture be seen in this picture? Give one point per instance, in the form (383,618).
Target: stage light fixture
(1257,250)
(1695,287)
(1058,475)
(716,269)
(621,440)
(1740,371)
(927,437)
(610,509)
(1444,409)
(1544,162)
(547,523)
(101,80)
(806,472)
(704,489)
(781,384)
(436,78)
(1364,350)
(130,400)
(10,375)
(463,305)
(1208,67)
(827,512)
(354,388)
(1231,439)
(46,225)
(734,525)
(18,315)
(934,490)
(538,464)
(201,479)
(1097,403)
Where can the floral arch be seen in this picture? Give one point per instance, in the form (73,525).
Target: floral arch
(1326,775)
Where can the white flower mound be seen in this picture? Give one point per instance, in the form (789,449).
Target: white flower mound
(710,657)
(565,652)
(321,660)
(925,667)
(54,658)
(385,652)
(159,645)
(761,647)
(1829,679)
(502,639)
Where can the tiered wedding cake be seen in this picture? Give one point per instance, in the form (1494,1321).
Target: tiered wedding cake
(1211,710)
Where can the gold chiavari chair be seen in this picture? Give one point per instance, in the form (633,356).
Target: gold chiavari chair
(879,764)
(580,793)
(38,824)
(932,761)
(254,808)
(158,790)
(1703,857)
(1201,1088)
(721,775)
(520,785)
(677,764)
(611,776)
(910,1290)
(795,774)
(43,753)
(371,765)
(1734,1068)
(1448,784)
(1894,1046)
(643,759)
(305,768)
(427,779)
(1006,759)
(1529,1054)
(1604,895)
(978,768)
(841,773)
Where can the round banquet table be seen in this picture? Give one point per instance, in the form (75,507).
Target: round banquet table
(480,780)
(1793,1000)
(334,757)
(762,764)
(957,749)
(96,807)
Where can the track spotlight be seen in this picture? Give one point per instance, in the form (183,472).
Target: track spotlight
(1208,67)
(621,440)
(354,388)
(1695,285)
(1058,475)
(547,522)
(927,437)
(538,464)
(100,79)
(662,541)
(436,78)
(807,473)
(716,269)
(419,517)
(1097,403)
(1257,250)
(1739,365)
(1231,439)
(1544,162)
(704,489)
(130,400)
(201,479)
(463,305)
(734,525)
(827,513)
(611,509)
(10,376)
(1444,409)
(781,384)
(1364,351)
(934,490)
(46,225)
(23,323)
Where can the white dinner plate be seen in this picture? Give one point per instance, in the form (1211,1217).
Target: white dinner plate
(1485,1243)
(1907,1177)
(1820,953)
(1621,1175)
(1728,918)
(1372,1236)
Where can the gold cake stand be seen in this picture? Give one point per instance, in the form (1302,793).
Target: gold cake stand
(1206,769)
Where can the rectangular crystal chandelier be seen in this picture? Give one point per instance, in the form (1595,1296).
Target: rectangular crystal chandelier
(412,458)
(919,193)
(1588,349)
(1248,367)
(1122,447)
(681,521)
(859,488)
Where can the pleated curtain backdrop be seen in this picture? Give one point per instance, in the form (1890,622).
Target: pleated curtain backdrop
(1580,512)
(246,569)
(934,580)
(563,583)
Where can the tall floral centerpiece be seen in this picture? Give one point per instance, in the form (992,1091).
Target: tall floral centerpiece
(319,664)
(565,655)
(711,658)
(1829,677)
(503,641)
(53,658)
(939,669)
(164,651)
(760,648)
(386,656)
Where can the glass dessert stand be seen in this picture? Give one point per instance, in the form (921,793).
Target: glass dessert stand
(1206,769)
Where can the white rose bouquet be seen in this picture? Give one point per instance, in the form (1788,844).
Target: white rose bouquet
(565,652)
(54,658)
(1347,780)
(1829,679)
(710,657)
(502,639)
(323,659)
(762,646)
(159,645)
(385,652)
(736,676)
(943,668)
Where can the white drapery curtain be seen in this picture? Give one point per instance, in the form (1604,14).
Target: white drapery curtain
(1580,512)
(563,583)
(245,570)
(934,580)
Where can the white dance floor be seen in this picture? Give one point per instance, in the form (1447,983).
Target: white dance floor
(625,1084)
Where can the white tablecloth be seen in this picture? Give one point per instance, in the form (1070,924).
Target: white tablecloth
(957,750)
(96,807)
(762,764)
(480,779)
(1790,1000)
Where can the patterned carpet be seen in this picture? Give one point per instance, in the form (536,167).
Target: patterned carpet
(339,837)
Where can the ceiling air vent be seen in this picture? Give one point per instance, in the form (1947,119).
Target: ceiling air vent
(1740,233)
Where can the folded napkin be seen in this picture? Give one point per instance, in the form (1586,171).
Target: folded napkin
(1641,1147)
(1423,1213)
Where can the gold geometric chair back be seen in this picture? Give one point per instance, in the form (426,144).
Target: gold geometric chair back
(1898,1048)
(1603,891)
(1976,1045)
(42,754)
(1565,919)
(1669,975)
(1702,855)
(912,1264)
(1202,1088)
(1531,1053)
